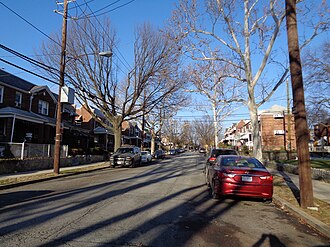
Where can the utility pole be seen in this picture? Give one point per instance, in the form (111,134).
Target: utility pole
(288,142)
(57,153)
(299,111)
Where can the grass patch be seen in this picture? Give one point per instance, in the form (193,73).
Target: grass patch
(283,191)
(315,163)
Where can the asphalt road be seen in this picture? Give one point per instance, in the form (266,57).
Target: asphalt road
(162,204)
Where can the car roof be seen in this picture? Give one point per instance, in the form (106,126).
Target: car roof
(236,156)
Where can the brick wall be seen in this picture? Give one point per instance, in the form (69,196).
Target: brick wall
(280,141)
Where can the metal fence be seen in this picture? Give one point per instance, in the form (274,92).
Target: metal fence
(29,150)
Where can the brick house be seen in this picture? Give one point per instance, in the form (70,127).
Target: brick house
(28,114)
(27,111)
(100,137)
(131,133)
(275,132)
(277,129)
(103,138)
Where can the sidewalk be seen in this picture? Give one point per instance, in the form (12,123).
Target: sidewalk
(35,176)
(321,190)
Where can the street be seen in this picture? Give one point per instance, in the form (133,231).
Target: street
(165,203)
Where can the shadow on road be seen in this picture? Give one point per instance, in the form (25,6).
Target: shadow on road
(176,225)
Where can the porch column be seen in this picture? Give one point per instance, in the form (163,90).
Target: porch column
(12,128)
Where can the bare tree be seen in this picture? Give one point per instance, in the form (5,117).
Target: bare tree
(204,130)
(317,78)
(209,79)
(242,35)
(95,78)
(165,110)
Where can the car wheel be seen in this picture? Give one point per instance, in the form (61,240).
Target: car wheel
(213,193)
(133,164)
(268,201)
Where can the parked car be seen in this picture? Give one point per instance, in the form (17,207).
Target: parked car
(146,156)
(172,151)
(126,156)
(202,150)
(215,152)
(159,154)
(239,176)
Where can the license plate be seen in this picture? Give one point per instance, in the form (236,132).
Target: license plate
(246,179)
(120,162)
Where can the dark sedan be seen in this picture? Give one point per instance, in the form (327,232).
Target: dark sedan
(239,176)
(215,152)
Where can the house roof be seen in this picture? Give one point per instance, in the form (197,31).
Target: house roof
(24,115)
(102,130)
(15,81)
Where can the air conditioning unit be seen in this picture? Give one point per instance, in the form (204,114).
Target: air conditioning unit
(278,115)
(279,132)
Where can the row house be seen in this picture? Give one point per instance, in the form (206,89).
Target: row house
(102,137)
(276,131)
(239,134)
(322,134)
(28,113)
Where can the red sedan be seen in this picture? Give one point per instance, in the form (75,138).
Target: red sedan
(239,176)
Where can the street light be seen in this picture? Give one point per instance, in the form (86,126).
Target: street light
(57,150)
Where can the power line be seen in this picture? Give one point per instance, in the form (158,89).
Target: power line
(21,17)
(122,56)
(118,7)
(29,71)
(30,60)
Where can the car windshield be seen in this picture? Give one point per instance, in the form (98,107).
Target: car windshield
(217,152)
(241,162)
(124,150)
(144,152)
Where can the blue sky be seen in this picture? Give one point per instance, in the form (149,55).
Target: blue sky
(22,37)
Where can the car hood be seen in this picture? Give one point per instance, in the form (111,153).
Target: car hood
(121,155)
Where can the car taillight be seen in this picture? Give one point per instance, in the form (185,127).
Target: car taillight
(267,178)
(212,159)
(225,175)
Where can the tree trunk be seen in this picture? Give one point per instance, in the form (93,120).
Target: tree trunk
(117,133)
(253,110)
(299,111)
(215,124)
(152,143)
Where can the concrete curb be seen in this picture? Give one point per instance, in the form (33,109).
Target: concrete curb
(319,226)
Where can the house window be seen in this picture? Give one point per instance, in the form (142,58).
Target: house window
(1,94)
(18,99)
(43,107)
